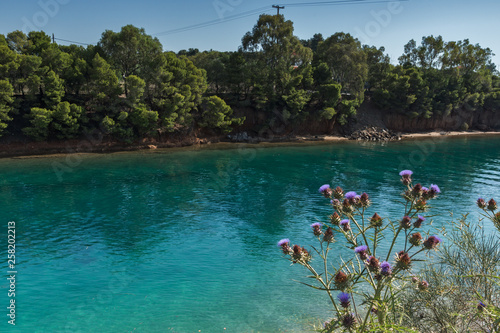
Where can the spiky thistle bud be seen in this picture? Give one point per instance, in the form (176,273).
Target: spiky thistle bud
(416,239)
(376,221)
(481,203)
(403,260)
(328,237)
(373,264)
(406,222)
(335,218)
(338,193)
(492,205)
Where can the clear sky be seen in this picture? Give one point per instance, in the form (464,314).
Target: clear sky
(390,25)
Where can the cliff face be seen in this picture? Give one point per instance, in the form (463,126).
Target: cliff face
(485,120)
(258,123)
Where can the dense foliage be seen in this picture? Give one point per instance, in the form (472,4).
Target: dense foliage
(127,87)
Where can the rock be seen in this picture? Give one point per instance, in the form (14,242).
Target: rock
(373,134)
(239,137)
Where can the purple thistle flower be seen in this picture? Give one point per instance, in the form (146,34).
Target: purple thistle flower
(432,242)
(481,306)
(316,227)
(345,224)
(406,176)
(362,248)
(350,195)
(344,299)
(285,246)
(385,268)
(323,188)
(418,222)
(435,188)
(326,191)
(406,173)
(425,189)
(283,242)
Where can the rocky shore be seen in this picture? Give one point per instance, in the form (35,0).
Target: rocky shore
(374,134)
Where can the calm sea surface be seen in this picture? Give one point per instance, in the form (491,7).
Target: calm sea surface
(185,240)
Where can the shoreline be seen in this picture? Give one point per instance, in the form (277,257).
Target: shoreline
(54,149)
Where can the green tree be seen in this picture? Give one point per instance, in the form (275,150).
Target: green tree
(136,88)
(40,120)
(278,53)
(378,65)
(177,91)
(404,90)
(218,115)
(430,54)
(132,52)
(144,121)
(8,63)
(65,120)
(55,59)
(17,41)
(38,41)
(6,100)
(28,76)
(104,86)
(214,63)
(313,42)
(347,61)
(53,89)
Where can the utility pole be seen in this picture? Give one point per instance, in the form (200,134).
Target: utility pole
(53,39)
(278,8)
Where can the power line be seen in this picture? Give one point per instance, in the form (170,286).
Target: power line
(70,41)
(338,2)
(214,22)
(265,9)
(253,12)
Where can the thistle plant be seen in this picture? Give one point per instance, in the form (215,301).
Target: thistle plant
(364,289)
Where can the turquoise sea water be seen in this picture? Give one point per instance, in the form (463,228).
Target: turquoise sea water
(185,240)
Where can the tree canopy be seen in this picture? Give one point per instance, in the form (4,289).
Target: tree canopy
(129,88)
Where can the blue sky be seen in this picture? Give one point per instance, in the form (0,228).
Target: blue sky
(390,25)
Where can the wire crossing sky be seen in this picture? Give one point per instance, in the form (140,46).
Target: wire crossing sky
(220,24)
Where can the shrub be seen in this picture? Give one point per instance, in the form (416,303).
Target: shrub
(464,292)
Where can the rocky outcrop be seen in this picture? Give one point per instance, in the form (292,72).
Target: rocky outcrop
(374,134)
